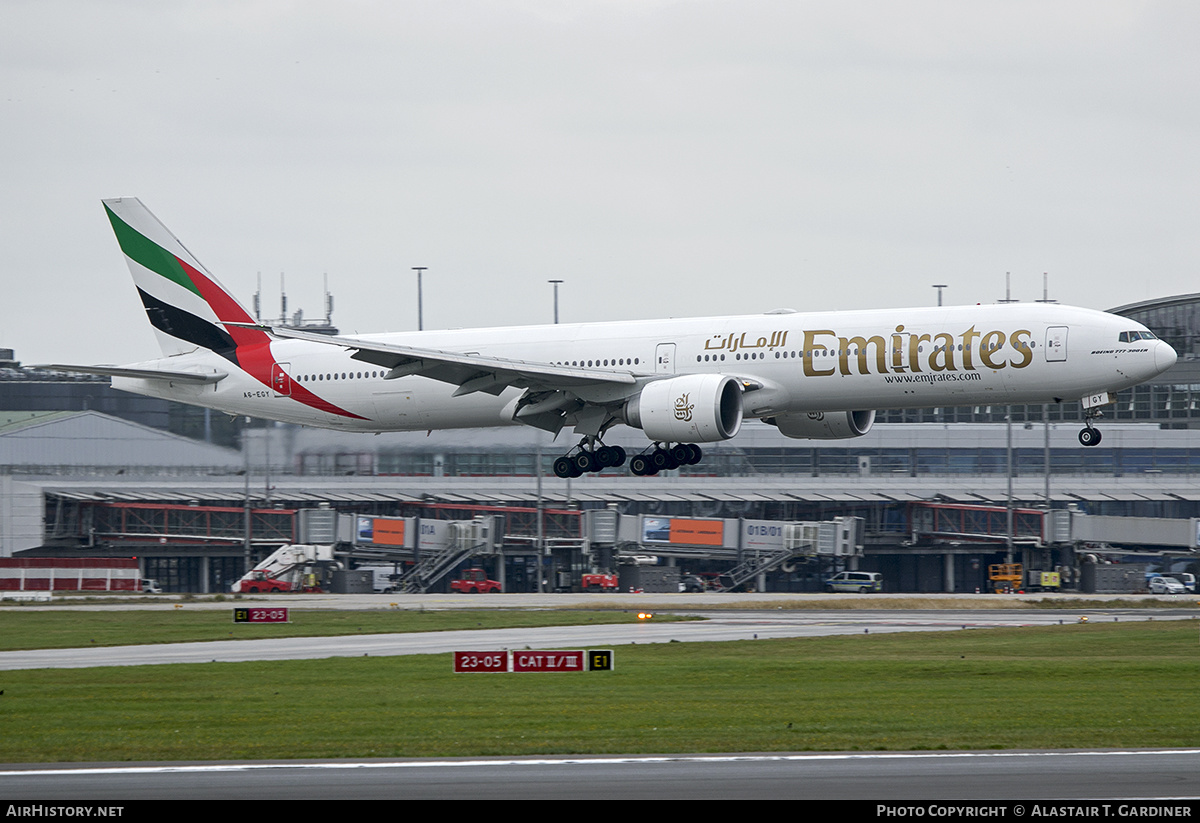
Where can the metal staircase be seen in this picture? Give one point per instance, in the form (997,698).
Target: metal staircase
(467,538)
(433,568)
(748,570)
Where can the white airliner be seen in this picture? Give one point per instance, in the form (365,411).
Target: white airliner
(681,381)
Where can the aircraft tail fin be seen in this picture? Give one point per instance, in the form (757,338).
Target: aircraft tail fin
(186,305)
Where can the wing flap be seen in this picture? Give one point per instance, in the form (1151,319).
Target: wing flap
(470,372)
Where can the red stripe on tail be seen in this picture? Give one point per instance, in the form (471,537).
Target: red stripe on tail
(254,345)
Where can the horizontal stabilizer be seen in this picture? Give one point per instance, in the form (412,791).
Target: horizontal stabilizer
(144,374)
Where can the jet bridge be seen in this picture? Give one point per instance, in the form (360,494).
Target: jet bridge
(436,546)
(959,522)
(1037,528)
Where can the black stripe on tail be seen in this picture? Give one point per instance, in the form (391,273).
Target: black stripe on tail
(188,327)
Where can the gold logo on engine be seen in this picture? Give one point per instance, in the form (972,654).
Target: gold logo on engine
(683,409)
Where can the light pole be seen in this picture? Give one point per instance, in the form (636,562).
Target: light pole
(247,526)
(1045,407)
(541,514)
(1008,506)
(555,282)
(420,315)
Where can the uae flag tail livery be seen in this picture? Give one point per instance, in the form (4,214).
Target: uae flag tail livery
(192,312)
(187,306)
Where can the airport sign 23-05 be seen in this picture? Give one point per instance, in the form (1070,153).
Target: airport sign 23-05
(260,615)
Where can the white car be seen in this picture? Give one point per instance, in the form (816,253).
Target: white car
(1166,585)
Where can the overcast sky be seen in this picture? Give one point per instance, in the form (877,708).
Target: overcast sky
(661,158)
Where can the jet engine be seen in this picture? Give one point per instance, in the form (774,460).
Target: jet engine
(824,425)
(694,408)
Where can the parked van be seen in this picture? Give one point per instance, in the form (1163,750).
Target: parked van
(855,582)
(1186,578)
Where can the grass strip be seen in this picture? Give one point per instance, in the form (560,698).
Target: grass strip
(1069,686)
(71,630)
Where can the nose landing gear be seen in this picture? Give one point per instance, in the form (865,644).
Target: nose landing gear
(1089,435)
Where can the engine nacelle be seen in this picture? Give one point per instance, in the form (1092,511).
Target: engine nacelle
(824,425)
(694,408)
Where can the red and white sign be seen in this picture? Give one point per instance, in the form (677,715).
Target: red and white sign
(539,661)
(533,661)
(481,661)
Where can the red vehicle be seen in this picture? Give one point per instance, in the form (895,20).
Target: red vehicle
(599,583)
(290,569)
(475,581)
(259,581)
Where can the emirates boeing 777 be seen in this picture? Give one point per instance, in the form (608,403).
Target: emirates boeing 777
(681,381)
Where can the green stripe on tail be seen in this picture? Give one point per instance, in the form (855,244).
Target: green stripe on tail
(149,254)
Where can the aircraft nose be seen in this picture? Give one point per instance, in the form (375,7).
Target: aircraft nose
(1164,356)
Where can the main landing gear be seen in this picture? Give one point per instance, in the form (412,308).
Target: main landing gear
(592,456)
(663,458)
(1089,435)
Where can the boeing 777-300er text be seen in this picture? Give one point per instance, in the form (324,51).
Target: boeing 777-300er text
(681,381)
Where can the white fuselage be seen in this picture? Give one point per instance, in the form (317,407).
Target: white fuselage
(789,363)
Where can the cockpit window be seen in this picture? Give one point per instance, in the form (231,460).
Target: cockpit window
(1133,336)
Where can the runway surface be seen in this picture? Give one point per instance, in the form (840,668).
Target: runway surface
(1167,776)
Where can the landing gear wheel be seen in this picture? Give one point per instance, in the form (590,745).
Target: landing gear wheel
(662,460)
(604,457)
(585,461)
(641,466)
(1090,436)
(565,467)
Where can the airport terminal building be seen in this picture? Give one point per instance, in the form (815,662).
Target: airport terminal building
(927,491)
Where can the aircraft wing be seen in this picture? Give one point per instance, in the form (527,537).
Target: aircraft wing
(143,374)
(470,372)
